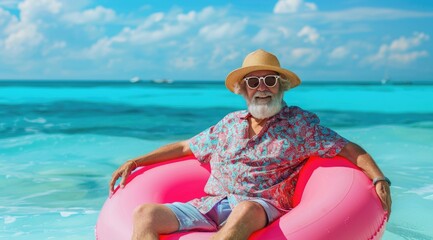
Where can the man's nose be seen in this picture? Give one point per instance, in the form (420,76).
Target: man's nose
(262,87)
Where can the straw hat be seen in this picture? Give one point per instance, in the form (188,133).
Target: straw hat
(260,60)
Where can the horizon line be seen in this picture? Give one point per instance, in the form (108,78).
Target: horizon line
(169,81)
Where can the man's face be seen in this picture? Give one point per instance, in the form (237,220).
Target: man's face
(259,99)
(263,101)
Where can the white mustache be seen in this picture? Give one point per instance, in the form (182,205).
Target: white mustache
(263,94)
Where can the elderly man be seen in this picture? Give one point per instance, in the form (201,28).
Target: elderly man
(255,158)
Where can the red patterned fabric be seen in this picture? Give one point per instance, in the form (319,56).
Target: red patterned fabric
(265,166)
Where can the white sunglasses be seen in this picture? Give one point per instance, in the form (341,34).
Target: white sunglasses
(253,82)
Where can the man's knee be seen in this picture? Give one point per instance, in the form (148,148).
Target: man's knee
(147,213)
(249,210)
(246,218)
(155,217)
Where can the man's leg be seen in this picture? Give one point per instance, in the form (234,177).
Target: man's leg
(151,220)
(246,218)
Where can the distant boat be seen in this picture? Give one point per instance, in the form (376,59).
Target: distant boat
(163,80)
(385,80)
(134,79)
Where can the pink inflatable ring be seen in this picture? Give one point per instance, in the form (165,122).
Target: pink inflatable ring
(333,200)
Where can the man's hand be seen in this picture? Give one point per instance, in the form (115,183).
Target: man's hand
(162,154)
(384,193)
(123,171)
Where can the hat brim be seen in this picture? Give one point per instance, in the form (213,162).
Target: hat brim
(238,74)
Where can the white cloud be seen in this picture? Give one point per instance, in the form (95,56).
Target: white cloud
(400,50)
(23,35)
(23,38)
(368,14)
(220,31)
(287,6)
(184,63)
(159,29)
(293,6)
(34,31)
(6,19)
(300,52)
(230,56)
(304,56)
(32,10)
(311,6)
(53,47)
(101,48)
(152,19)
(37,31)
(339,52)
(193,16)
(284,31)
(9,3)
(98,14)
(405,58)
(403,43)
(142,34)
(271,35)
(263,36)
(189,17)
(221,55)
(209,12)
(309,33)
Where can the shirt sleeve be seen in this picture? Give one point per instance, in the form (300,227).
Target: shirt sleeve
(320,140)
(205,143)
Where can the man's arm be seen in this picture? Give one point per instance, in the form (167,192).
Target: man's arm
(162,154)
(363,160)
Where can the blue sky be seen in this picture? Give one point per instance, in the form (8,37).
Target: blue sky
(351,40)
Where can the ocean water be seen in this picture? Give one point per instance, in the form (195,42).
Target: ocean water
(60,143)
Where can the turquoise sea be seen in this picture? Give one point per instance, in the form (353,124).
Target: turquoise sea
(61,141)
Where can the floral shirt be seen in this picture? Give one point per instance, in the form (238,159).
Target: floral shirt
(265,166)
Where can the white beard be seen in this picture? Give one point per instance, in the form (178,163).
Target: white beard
(262,110)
